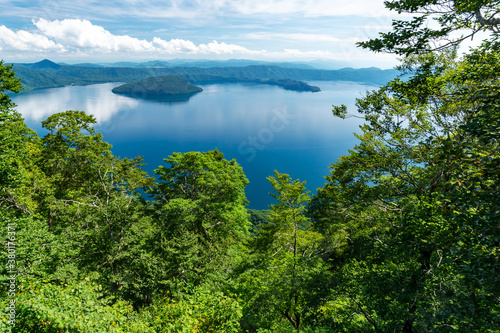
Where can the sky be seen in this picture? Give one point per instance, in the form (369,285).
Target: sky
(75,31)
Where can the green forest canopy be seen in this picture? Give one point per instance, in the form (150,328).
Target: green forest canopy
(404,235)
(164,85)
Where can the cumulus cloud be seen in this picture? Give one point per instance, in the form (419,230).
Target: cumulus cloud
(75,36)
(222,48)
(25,41)
(83,34)
(175,45)
(185,46)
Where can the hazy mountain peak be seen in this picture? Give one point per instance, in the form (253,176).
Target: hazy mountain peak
(45,63)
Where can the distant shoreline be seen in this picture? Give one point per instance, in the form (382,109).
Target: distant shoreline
(47,74)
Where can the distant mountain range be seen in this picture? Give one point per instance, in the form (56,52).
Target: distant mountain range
(200,63)
(47,74)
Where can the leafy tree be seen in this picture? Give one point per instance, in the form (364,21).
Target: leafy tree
(280,279)
(411,213)
(206,310)
(417,36)
(77,307)
(17,143)
(8,82)
(94,207)
(200,215)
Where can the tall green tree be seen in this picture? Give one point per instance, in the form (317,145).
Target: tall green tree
(94,208)
(200,216)
(17,144)
(411,214)
(280,278)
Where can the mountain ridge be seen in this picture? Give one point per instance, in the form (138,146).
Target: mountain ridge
(47,74)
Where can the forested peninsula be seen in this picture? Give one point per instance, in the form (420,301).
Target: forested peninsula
(404,236)
(165,85)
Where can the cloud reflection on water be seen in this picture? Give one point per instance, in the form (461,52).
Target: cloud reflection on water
(97,100)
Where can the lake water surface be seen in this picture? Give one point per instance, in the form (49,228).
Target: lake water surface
(263,127)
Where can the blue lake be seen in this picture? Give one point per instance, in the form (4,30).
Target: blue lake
(265,128)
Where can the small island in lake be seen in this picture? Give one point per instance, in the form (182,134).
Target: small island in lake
(292,85)
(158,86)
(287,84)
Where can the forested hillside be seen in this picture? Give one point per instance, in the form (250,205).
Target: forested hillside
(47,74)
(165,85)
(403,237)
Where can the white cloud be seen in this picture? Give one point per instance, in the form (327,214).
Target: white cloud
(81,39)
(83,34)
(302,37)
(223,48)
(25,41)
(185,46)
(175,45)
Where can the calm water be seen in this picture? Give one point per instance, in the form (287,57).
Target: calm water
(263,127)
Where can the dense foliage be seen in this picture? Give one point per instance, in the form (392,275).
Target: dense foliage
(163,85)
(403,237)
